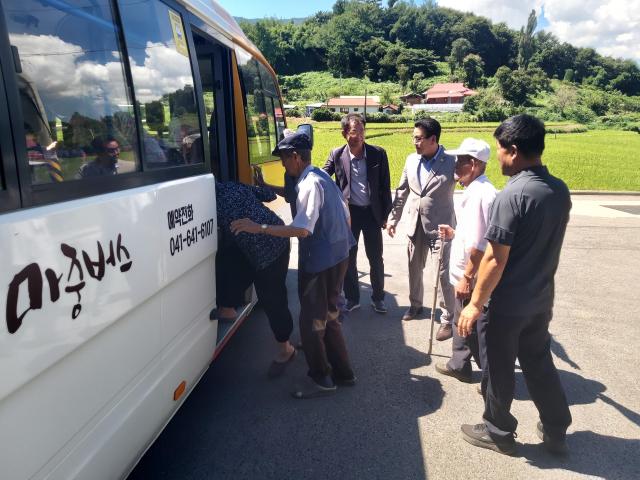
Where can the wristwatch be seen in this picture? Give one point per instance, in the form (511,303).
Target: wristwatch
(264,227)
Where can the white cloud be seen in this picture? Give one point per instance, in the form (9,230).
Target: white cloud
(514,14)
(68,82)
(164,71)
(611,27)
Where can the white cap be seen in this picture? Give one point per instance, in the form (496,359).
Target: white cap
(478,149)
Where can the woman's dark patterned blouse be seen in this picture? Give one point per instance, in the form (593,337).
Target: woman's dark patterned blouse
(236,201)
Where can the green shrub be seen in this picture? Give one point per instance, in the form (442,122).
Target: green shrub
(580,114)
(294,112)
(422,114)
(325,115)
(385,118)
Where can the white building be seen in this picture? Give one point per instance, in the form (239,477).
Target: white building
(354,104)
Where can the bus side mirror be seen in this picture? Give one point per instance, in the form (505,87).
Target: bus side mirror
(307,129)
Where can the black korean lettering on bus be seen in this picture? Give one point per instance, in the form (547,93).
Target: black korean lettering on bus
(30,279)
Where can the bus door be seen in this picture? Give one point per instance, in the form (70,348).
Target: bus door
(215,85)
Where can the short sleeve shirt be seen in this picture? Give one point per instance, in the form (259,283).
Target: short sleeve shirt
(310,200)
(530,215)
(473,221)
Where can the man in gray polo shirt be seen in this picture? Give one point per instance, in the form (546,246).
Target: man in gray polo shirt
(527,225)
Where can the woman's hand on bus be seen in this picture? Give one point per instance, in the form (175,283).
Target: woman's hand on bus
(245,225)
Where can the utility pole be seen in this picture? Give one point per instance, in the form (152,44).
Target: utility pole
(365,104)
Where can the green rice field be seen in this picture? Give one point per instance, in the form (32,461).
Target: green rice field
(593,160)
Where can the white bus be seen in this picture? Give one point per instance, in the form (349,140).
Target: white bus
(116,116)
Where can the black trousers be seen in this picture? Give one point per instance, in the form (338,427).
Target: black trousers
(362,220)
(527,338)
(234,274)
(463,349)
(322,340)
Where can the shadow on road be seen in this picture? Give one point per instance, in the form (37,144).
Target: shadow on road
(579,391)
(238,424)
(590,454)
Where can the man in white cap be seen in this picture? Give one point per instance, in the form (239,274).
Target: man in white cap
(468,246)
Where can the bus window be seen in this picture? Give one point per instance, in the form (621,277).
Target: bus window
(256,112)
(163,83)
(73,96)
(276,120)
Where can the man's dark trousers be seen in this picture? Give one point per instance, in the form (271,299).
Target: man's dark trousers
(362,220)
(527,338)
(463,349)
(322,340)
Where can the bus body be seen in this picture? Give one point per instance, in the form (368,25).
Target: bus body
(116,118)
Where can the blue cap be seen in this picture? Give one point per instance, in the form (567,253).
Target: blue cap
(297,141)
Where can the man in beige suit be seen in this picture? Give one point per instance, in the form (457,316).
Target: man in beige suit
(426,188)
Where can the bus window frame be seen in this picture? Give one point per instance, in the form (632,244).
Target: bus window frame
(9,186)
(17,176)
(224,113)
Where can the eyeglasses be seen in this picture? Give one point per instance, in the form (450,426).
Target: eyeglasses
(417,139)
(113,150)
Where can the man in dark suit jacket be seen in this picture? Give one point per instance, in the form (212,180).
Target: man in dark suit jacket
(362,173)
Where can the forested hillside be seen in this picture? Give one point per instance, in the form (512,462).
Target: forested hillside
(405,45)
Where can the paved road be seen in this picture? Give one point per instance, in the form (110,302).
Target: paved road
(402,420)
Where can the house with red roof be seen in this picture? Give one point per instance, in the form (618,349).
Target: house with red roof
(354,104)
(447,93)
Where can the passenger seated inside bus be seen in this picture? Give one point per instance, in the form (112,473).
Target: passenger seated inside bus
(107,152)
(248,258)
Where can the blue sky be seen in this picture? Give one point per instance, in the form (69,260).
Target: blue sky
(275,8)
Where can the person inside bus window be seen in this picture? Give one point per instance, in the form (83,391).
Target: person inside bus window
(107,152)
(253,258)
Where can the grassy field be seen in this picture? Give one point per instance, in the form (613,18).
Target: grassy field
(593,160)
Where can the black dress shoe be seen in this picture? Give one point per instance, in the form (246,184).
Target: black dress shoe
(444,369)
(479,436)
(554,444)
(412,313)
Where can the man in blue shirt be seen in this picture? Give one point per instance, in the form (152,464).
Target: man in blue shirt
(322,227)
(527,224)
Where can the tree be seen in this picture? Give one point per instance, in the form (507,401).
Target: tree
(565,97)
(525,44)
(415,84)
(460,48)
(568,75)
(386,96)
(478,31)
(515,86)
(473,68)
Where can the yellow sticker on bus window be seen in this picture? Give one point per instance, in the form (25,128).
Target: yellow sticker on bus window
(178,33)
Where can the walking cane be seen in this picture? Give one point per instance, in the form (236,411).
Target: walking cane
(435,292)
